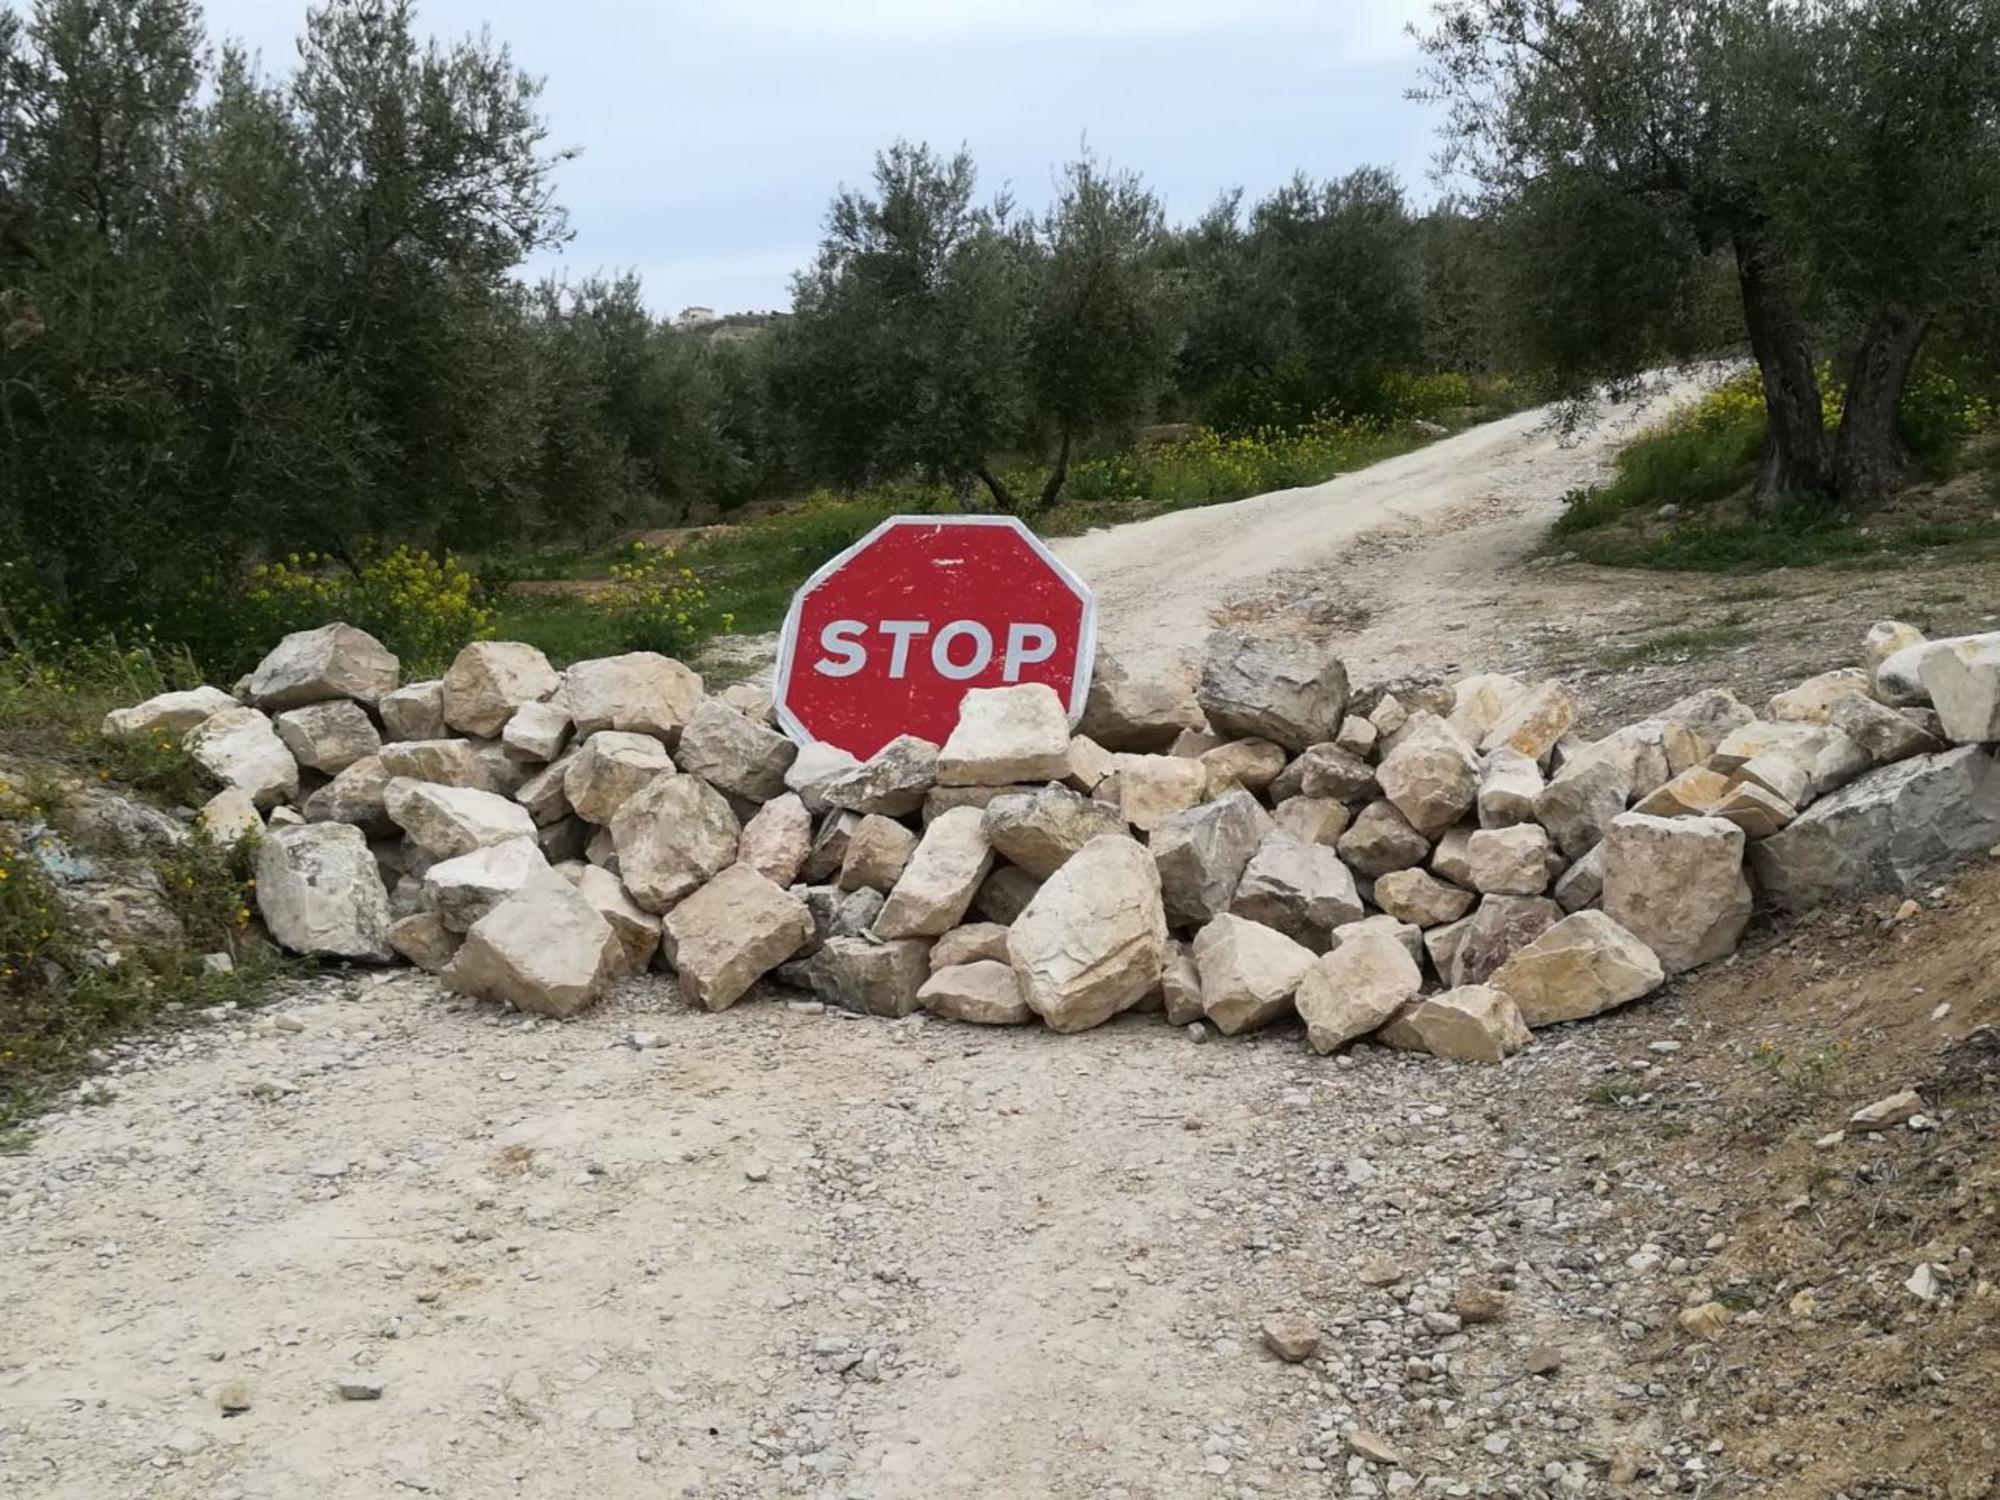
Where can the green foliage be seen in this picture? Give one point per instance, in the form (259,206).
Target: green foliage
(1683,643)
(656,603)
(153,764)
(422,607)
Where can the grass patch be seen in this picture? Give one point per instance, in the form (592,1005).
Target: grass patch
(1681,643)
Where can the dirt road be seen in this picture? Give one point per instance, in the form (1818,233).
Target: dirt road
(654,1252)
(1452,516)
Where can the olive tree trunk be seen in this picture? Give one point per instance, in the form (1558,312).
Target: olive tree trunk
(1868,454)
(1797,459)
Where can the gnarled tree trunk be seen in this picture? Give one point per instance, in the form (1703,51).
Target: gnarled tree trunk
(1054,487)
(1797,461)
(1868,454)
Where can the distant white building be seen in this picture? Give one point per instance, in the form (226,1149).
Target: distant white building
(694,317)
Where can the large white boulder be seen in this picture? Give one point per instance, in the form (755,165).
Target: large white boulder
(730,933)
(537,732)
(167,713)
(448,762)
(1122,712)
(1583,965)
(1677,885)
(320,892)
(1301,888)
(328,736)
(1380,840)
(1534,722)
(332,661)
(355,796)
(877,851)
(672,836)
(638,930)
(1478,703)
(1508,787)
(1007,734)
(612,767)
(641,692)
(868,976)
(545,950)
(1356,989)
(983,992)
(1510,861)
(936,887)
(1890,829)
(1962,676)
(1472,1023)
(891,782)
(1091,941)
(1431,775)
(735,754)
(446,821)
(1152,788)
(239,748)
(466,887)
(414,711)
(488,680)
(1498,929)
(817,767)
(1201,853)
(1249,972)
(1885,733)
(1580,801)
(1039,830)
(775,841)
(1421,899)
(1286,689)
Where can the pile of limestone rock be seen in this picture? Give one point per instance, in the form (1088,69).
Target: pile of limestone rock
(1441,871)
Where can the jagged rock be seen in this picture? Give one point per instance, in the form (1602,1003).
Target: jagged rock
(422,939)
(1886,1113)
(1962,677)
(1496,931)
(817,767)
(1241,765)
(1388,714)
(878,851)
(1478,703)
(1829,757)
(1249,972)
(1812,701)
(1381,840)
(1452,859)
(1580,801)
(937,885)
(445,762)
(1005,894)
(640,692)
(320,893)
(984,992)
(488,680)
(672,835)
(1180,985)
(329,736)
(1281,688)
(970,944)
(414,711)
(1316,820)
(1152,788)
(1899,677)
(1508,788)
(1781,777)
(1709,716)
(1006,734)
(1441,943)
(1536,720)
(1471,1023)
(1357,736)
(545,950)
(829,848)
(355,796)
(775,841)
(1329,771)
(611,768)
(637,929)
(1039,830)
(1883,640)
(891,782)
(1650,753)
(1889,829)
(1407,933)
(1886,735)
(730,933)
(1200,855)
(1677,885)
(1121,713)
(869,976)
(230,815)
(1420,899)
(537,732)
(942,799)
(1695,793)
(239,748)
(1301,889)
(546,793)
(734,754)
(463,889)
(167,713)
(1758,812)
(1090,942)
(1509,861)
(753,700)
(1584,965)
(332,661)
(1582,883)
(1431,776)
(1089,764)
(1356,989)
(446,821)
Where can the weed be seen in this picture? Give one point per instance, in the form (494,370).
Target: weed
(1680,644)
(1807,1074)
(1616,1090)
(154,764)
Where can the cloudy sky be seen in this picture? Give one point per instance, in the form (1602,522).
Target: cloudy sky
(712,135)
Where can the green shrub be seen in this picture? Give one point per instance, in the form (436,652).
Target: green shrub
(655,602)
(153,764)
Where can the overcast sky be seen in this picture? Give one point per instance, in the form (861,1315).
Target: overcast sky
(712,135)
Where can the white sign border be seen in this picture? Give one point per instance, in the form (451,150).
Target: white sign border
(788,634)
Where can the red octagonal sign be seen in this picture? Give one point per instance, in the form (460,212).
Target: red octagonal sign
(889,636)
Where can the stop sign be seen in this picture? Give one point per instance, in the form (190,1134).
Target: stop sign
(888,637)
